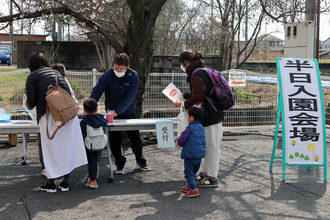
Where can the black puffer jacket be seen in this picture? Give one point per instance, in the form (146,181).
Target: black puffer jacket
(37,85)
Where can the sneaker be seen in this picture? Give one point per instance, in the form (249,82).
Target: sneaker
(192,193)
(185,189)
(88,184)
(143,166)
(93,186)
(43,172)
(200,177)
(119,170)
(48,188)
(208,183)
(64,187)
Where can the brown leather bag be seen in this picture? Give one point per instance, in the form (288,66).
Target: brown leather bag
(61,106)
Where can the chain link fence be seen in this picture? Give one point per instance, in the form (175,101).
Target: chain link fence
(255,109)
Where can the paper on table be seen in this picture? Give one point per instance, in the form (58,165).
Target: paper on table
(32,113)
(173,93)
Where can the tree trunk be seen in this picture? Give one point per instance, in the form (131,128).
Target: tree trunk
(139,48)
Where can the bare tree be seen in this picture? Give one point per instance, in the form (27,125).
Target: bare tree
(170,26)
(291,10)
(134,36)
(231,15)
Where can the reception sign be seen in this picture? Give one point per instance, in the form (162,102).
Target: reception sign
(165,134)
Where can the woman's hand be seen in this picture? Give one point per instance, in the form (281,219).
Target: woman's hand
(177,104)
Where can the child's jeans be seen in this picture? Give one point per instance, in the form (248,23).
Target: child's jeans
(191,167)
(92,157)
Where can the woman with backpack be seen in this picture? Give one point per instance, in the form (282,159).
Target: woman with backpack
(66,151)
(201,87)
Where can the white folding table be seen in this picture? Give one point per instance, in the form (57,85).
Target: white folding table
(131,125)
(24,129)
(117,125)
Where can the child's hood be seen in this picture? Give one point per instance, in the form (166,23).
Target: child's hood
(95,120)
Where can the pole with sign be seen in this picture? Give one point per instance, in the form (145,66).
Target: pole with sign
(237,79)
(301,110)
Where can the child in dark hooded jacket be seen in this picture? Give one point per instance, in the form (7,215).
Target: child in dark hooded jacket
(95,120)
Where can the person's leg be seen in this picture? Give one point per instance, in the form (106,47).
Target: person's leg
(213,136)
(64,185)
(41,159)
(66,178)
(197,164)
(136,145)
(115,145)
(189,173)
(92,163)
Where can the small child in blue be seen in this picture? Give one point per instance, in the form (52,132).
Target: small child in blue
(192,141)
(95,120)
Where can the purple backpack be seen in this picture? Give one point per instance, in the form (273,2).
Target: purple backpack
(221,88)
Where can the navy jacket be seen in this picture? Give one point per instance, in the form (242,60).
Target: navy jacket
(119,93)
(94,120)
(195,146)
(37,86)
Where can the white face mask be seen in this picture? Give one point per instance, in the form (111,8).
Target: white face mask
(183,69)
(119,74)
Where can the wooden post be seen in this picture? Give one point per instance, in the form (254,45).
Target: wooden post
(12,139)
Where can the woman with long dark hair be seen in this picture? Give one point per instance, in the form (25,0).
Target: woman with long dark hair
(201,92)
(66,151)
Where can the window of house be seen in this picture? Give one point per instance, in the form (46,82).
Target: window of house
(288,31)
(271,43)
(295,31)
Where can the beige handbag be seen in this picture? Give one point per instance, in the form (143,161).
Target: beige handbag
(60,105)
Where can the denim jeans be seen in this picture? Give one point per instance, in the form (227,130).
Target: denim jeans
(191,167)
(92,157)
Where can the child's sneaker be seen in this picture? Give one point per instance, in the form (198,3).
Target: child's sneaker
(208,182)
(64,187)
(48,188)
(192,193)
(93,185)
(185,189)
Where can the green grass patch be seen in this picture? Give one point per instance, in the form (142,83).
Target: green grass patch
(3,70)
(245,96)
(11,84)
(324,61)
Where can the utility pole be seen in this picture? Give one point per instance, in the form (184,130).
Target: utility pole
(59,31)
(246,27)
(313,14)
(11,39)
(212,27)
(68,32)
(21,21)
(317,26)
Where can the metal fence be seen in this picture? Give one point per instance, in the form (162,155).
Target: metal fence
(255,109)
